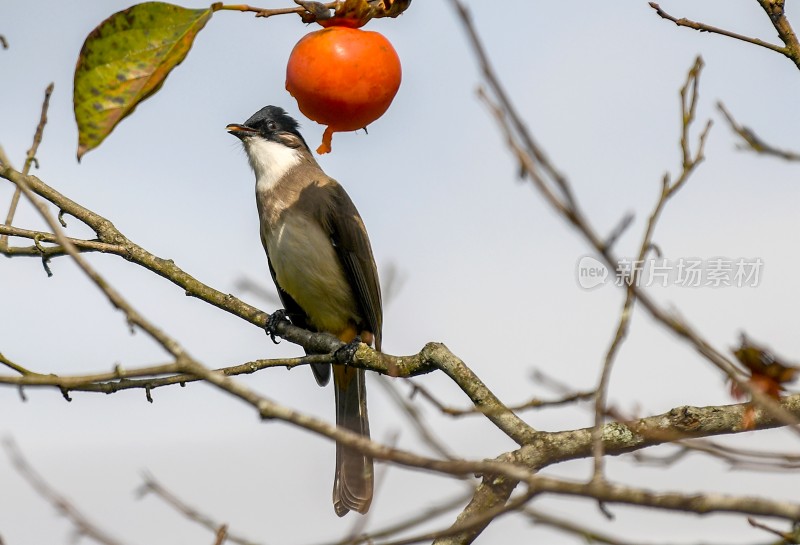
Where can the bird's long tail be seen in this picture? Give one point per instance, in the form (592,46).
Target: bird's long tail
(353,483)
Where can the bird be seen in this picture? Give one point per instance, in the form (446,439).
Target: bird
(321,261)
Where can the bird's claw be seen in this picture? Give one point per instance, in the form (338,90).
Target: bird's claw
(347,353)
(272,323)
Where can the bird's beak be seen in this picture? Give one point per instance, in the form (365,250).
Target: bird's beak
(240,131)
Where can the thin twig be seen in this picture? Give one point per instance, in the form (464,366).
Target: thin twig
(131,315)
(618,231)
(715,30)
(572,527)
(533,403)
(787,537)
(752,140)
(536,166)
(552,445)
(735,458)
(564,201)
(755,454)
(151,486)
(689,96)
(83,525)
(148,378)
(414,416)
(4,160)
(777,16)
(245,284)
(222,535)
(114,297)
(29,160)
(264,12)
(533,160)
(11,365)
(38,250)
(667,318)
(312,11)
(521,466)
(418,518)
(468,524)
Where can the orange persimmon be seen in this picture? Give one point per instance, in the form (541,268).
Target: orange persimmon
(343,77)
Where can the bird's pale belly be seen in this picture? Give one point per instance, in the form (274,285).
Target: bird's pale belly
(307,268)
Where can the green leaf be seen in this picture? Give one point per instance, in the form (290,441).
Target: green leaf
(125,60)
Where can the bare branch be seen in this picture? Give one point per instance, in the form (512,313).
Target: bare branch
(415,418)
(689,97)
(755,454)
(447,362)
(505,419)
(38,250)
(752,141)
(571,527)
(548,447)
(151,486)
(245,284)
(734,458)
(264,12)
(618,231)
(29,160)
(714,30)
(222,535)
(467,524)
(312,11)
(11,365)
(433,356)
(131,315)
(786,537)
(701,503)
(500,476)
(424,515)
(777,16)
(533,403)
(125,379)
(527,152)
(114,297)
(536,166)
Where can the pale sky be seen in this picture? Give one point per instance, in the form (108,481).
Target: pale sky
(489,270)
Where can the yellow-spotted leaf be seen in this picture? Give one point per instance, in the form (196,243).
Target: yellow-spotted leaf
(125,60)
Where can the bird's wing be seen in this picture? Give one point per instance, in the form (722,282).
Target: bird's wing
(349,237)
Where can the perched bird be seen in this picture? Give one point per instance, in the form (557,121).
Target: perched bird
(321,261)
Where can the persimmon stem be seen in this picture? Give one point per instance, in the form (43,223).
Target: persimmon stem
(325,147)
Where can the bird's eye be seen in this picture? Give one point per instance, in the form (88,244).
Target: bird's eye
(272,126)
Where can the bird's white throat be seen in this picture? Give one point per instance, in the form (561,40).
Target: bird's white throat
(270,161)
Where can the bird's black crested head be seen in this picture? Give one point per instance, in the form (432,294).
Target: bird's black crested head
(271,123)
(272,119)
